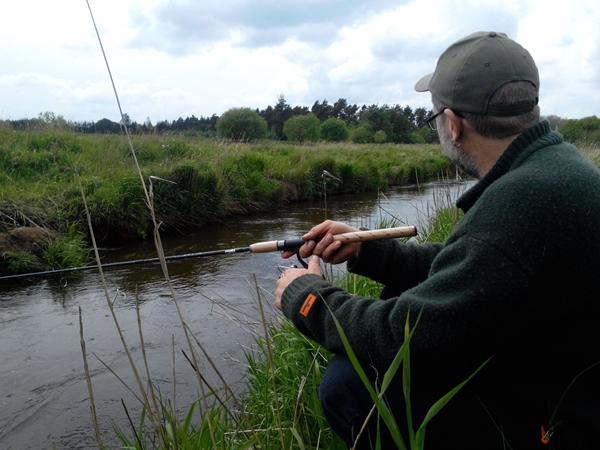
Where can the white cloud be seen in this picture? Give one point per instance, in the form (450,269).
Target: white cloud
(367,52)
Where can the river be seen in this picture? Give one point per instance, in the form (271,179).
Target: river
(43,395)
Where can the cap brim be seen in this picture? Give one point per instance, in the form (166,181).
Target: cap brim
(423,84)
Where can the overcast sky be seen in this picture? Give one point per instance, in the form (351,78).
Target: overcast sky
(182,57)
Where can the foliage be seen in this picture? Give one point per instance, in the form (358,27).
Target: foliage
(40,173)
(241,124)
(362,134)
(305,128)
(69,250)
(397,121)
(442,224)
(283,391)
(586,130)
(334,130)
(18,262)
(380,137)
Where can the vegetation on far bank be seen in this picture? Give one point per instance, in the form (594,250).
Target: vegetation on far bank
(40,174)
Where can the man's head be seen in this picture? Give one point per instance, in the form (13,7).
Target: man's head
(488,81)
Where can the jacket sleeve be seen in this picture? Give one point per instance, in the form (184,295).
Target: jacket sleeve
(469,303)
(397,266)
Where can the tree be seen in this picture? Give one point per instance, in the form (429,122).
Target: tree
(377,118)
(334,129)
(322,110)
(303,128)
(362,134)
(241,124)
(276,117)
(107,126)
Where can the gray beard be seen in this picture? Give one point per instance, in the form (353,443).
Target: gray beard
(456,154)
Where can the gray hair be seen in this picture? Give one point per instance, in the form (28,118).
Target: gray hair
(502,127)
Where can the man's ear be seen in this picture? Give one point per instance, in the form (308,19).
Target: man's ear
(455,125)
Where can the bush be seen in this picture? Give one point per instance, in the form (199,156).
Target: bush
(67,251)
(241,124)
(379,137)
(306,127)
(18,262)
(334,129)
(362,134)
(585,130)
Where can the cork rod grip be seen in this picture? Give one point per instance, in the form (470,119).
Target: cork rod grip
(371,235)
(354,236)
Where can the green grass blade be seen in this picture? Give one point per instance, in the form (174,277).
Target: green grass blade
(406,381)
(298,438)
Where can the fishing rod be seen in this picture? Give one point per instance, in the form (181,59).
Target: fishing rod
(258,247)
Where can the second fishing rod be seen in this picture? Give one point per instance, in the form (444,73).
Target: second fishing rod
(258,247)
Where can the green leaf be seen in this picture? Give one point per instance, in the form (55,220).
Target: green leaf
(298,438)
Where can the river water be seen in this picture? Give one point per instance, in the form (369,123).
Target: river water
(43,395)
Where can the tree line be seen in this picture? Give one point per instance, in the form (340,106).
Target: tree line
(337,121)
(364,123)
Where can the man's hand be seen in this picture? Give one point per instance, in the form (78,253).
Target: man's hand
(331,251)
(291,274)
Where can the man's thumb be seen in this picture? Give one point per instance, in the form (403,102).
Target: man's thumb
(314,265)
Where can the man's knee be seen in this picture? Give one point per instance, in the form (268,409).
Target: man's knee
(344,399)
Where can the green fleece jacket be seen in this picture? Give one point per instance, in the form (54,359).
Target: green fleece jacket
(518,280)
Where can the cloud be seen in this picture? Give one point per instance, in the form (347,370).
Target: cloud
(179,26)
(180,57)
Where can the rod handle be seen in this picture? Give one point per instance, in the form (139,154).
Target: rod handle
(353,236)
(372,235)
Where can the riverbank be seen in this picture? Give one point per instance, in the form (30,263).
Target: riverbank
(194,181)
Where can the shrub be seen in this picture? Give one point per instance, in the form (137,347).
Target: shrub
(582,130)
(18,262)
(241,124)
(362,134)
(379,137)
(334,129)
(306,127)
(67,251)
(194,200)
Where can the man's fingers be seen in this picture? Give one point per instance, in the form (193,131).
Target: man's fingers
(329,252)
(318,230)
(307,249)
(323,244)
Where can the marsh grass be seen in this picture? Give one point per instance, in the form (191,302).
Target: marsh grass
(69,250)
(19,262)
(591,150)
(39,172)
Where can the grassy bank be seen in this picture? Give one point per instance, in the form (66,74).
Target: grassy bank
(39,174)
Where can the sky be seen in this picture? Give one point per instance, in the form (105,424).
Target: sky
(177,58)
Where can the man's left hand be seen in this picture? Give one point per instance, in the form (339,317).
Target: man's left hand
(291,274)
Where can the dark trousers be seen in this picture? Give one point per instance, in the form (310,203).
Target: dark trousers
(346,404)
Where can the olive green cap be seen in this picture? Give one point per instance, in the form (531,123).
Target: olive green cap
(472,69)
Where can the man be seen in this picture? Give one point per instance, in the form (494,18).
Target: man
(517,281)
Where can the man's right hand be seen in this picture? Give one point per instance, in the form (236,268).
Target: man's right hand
(319,241)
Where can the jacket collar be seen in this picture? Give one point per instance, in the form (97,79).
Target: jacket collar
(514,154)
